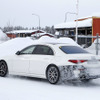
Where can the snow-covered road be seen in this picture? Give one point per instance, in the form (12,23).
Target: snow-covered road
(21,88)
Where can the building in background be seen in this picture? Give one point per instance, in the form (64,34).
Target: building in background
(38,35)
(28,33)
(88,27)
(23,33)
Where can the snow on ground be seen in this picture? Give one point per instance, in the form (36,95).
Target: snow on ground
(3,36)
(16,88)
(92,48)
(23,88)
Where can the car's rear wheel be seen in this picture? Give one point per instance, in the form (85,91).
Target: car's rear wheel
(3,69)
(53,74)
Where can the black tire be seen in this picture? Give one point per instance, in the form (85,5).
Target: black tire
(53,74)
(3,69)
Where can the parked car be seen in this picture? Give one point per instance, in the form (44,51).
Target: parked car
(53,61)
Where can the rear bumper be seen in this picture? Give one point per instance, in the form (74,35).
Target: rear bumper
(92,77)
(72,73)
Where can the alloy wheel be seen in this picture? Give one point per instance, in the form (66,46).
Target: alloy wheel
(53,74)
(3,69)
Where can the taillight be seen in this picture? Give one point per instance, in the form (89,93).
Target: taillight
(77,61)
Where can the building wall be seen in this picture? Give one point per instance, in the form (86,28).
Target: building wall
(95,26)
(12,35)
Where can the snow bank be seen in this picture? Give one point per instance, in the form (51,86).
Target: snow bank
(12,46)
(92,48)
(67,40)
(3,36)
(46,39)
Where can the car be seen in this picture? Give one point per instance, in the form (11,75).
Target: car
(52,61)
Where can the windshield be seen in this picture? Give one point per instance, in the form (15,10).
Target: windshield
(72,49)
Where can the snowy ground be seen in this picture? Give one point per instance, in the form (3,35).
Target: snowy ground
(16,88)
(23,88)
(92,48)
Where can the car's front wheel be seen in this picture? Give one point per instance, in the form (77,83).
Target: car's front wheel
(3,69)
(53,74)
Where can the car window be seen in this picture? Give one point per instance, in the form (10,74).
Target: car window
(28,50)
(44,50)
(72,49)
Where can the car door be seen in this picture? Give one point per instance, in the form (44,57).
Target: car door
(42,56)
(21,61)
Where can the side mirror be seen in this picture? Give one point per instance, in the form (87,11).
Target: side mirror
(18,53)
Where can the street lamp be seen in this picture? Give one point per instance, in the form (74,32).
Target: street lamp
(67,14)
(38,18)
(76,38)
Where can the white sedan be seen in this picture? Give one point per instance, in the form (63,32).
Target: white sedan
(53,61)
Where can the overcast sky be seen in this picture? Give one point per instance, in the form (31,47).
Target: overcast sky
(51,12)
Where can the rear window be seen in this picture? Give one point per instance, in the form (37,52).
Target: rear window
(72,49)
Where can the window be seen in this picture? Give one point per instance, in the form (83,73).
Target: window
(44,50)
(72,49)
(28,50)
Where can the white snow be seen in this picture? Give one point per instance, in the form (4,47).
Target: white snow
(41,34)
(22,88)
(23,31)
(12,46)
(56,33)
(92,48)
(47,39)
(16,88)
(3,36)
(84,23)
(96,14)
